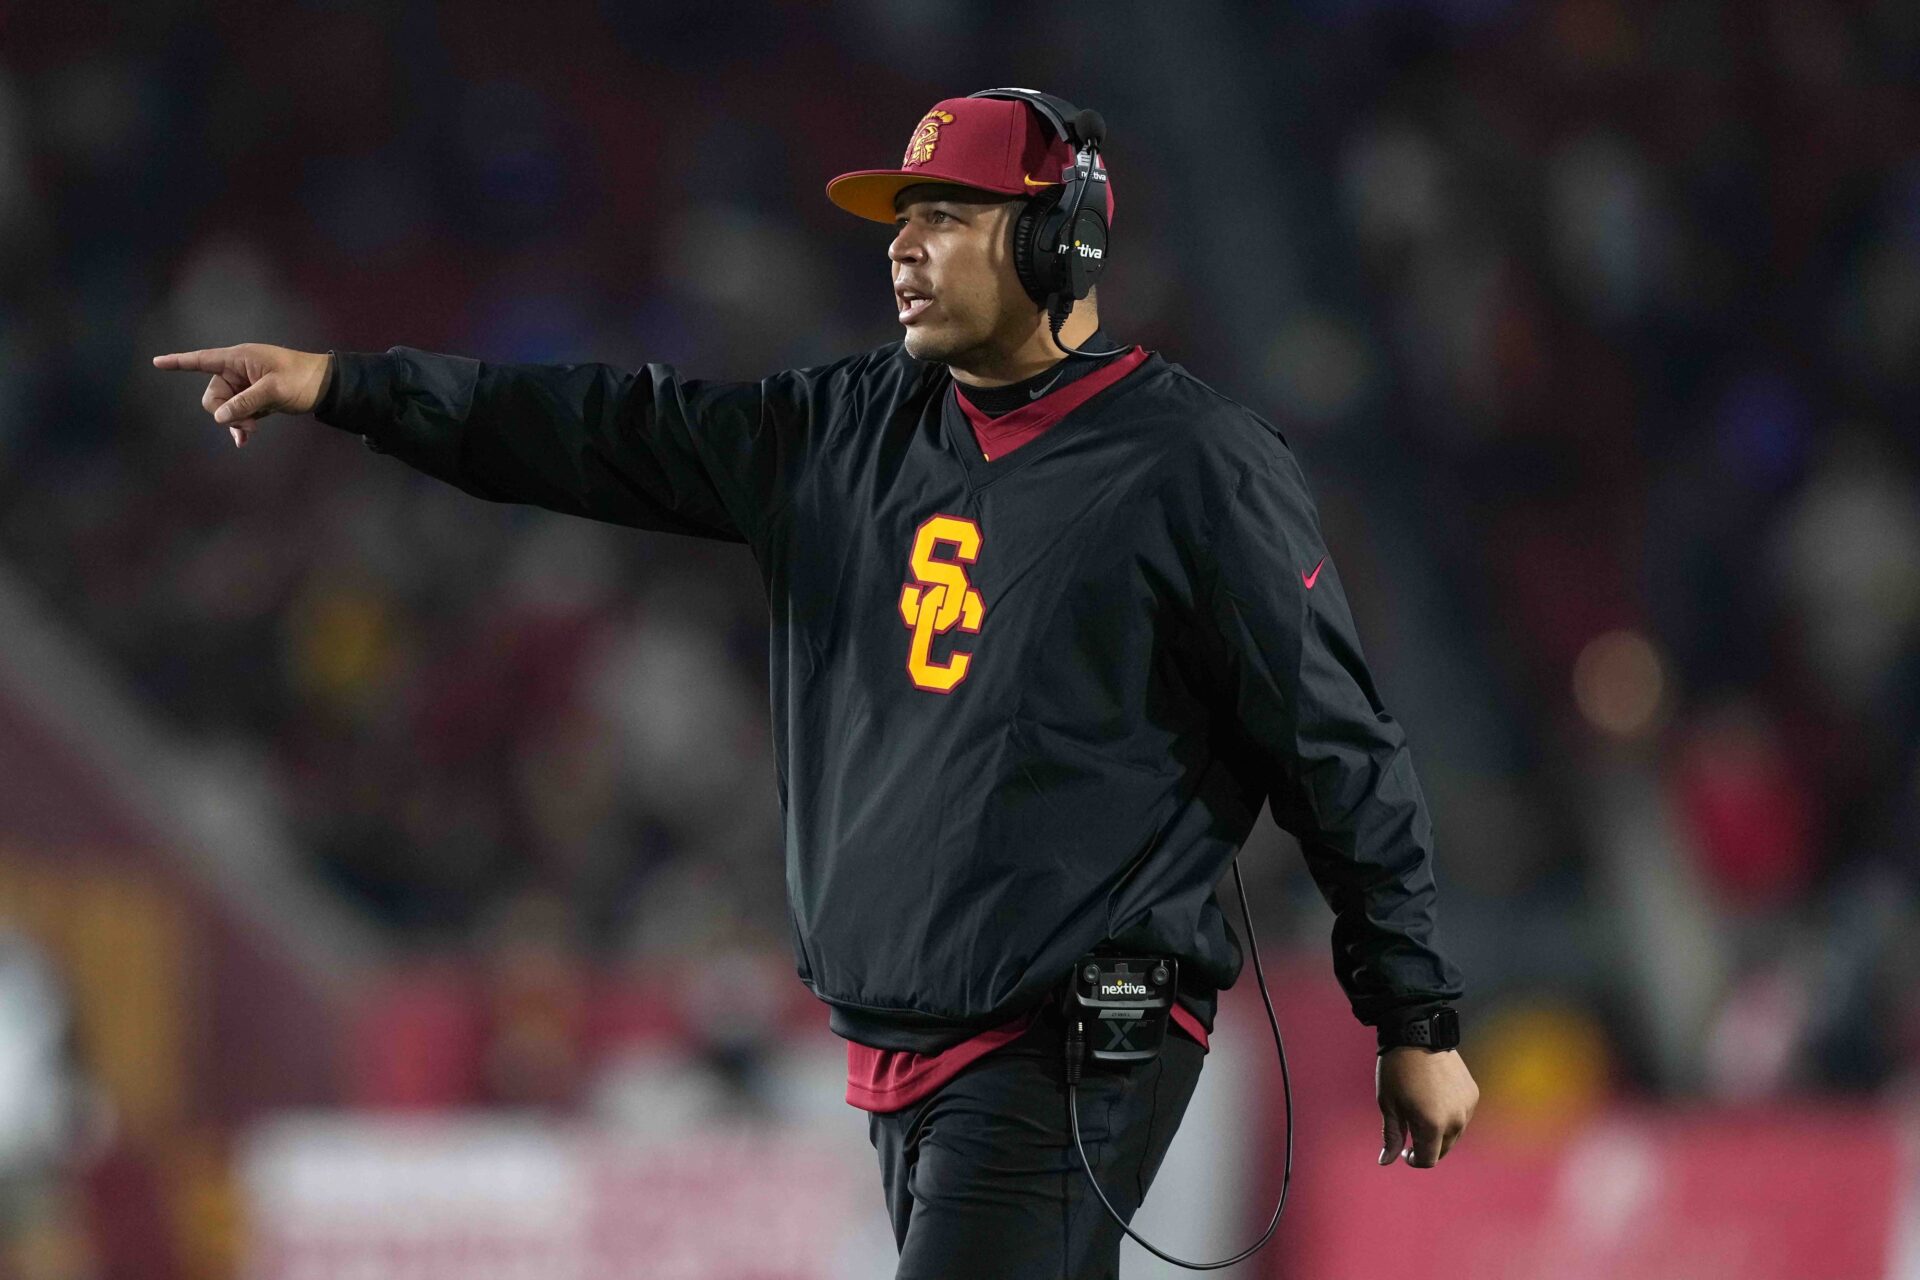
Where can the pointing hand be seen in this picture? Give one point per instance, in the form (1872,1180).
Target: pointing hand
(253,380)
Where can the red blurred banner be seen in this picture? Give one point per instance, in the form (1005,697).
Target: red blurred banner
(1638,1194)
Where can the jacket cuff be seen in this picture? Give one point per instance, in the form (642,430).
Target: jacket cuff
(359,396)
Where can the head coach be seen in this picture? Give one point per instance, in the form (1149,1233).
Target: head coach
(1050,621)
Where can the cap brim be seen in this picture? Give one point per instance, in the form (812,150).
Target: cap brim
(869,193)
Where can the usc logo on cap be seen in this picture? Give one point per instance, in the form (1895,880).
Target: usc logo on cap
(940,598)
(925,138)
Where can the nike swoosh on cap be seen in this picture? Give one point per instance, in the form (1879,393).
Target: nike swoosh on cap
(1030,182)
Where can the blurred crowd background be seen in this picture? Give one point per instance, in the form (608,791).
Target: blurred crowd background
(1595,324)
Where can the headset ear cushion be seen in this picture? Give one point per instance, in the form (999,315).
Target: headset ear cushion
(1026,263)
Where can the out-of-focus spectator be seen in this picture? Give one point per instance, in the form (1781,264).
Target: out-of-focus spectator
(50,1117)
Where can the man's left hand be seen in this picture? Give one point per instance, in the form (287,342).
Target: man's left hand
(1426,1096)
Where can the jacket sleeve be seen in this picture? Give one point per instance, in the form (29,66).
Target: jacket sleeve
(645,447)
(1342,781)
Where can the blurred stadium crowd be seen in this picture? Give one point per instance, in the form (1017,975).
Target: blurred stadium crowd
(1596,325)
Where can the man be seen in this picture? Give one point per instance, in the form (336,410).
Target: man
(1046,634)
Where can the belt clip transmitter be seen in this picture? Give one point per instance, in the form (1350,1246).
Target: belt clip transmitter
(1121,1004)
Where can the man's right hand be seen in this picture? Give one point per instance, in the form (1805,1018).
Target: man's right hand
(253,380)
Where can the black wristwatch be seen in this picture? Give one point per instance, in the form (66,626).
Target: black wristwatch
(1436,1031)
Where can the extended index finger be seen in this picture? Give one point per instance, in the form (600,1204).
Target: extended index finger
(211,360)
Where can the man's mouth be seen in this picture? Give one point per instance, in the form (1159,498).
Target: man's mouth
(912,304)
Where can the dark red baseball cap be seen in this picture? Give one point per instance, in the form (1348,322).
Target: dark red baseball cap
(995,144)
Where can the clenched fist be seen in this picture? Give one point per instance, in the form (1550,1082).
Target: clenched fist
(1423,1095)
(253,380)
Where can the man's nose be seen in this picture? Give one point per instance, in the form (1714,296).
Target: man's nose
(904,247)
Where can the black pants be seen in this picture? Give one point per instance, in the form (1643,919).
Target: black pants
(982,1179)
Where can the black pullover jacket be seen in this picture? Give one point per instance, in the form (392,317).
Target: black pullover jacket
(1024,708)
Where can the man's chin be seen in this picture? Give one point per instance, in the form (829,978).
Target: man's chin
(925,343)
(921,345)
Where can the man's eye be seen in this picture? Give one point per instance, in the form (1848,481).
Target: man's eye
(939,215)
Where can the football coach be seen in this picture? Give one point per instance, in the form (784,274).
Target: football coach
(1051,620)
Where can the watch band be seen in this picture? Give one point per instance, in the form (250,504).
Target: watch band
(1438,1030)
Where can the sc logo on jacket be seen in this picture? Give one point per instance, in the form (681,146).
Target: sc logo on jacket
(938,597)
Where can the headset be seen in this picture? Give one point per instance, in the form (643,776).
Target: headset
(1060,242)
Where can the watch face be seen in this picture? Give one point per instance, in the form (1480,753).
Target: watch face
(1445,1029)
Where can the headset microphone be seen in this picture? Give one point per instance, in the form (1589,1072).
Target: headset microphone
(1090,126)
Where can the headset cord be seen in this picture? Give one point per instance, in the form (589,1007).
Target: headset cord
(1074,1046)
(1057,316)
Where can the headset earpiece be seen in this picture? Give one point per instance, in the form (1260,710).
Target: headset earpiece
(1058,264)
(1086,252)
(1068,249)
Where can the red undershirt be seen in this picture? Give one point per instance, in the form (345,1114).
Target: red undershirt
(889,1079)
(1000,436)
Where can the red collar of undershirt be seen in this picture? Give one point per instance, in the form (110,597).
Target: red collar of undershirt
(1000,436)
